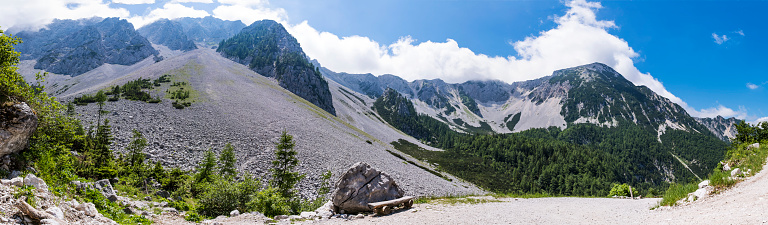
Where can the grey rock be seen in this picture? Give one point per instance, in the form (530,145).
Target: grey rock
(5,181)
(281,217)
(163,193)
(752,146)
(168,33)
(17,181)
(325,211)
(14,174)
(294,217)
(704,184)
(88,208)
(169,209)
(106,189)
(736,172)
(726,167)
(129,210)
(36,182)
(234,213)
(308,215)
(56,212)
(209,30)
(17,123)
(49,221)
(362,184)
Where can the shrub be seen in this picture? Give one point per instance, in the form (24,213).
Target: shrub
(721,178)
(194,217)
(223,196)
(622,190)
(270,202)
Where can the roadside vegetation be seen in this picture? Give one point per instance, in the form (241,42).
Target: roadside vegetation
(748,153)
(62,150)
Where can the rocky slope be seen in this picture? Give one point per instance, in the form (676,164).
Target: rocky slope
(168,33)
(238,106)
(267,48)
(722,128)
(74,47)
(209,31)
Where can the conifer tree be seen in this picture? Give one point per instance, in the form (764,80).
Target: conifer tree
(227,162)
(283,176)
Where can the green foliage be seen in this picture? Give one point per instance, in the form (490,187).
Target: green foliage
(136,150)
(623,190)
(111,209)
(283,176)
(194,217)
(270,202)
(513,122)
(721,179)
(205,174)
(677,192)
(748,134)
(227,162)
(13,87)
(28,192)
(223,196)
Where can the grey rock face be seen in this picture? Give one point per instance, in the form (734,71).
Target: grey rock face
(106,189)
(17,123)
(75,47)
(267,48)
(168,33)
(209,31)
(36,182)
(722,128)
(362,184)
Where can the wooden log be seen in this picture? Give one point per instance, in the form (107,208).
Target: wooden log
(385,207)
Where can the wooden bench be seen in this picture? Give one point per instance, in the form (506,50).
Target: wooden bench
(385,207)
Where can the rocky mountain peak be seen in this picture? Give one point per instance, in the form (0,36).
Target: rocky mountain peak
(267,48)
(168,33)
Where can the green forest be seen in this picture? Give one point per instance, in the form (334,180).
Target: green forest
(582,160)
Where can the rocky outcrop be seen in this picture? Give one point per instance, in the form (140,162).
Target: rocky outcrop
(106,189)
(209,31)
(723,128)
(75,47)
(168,33)
(363,184)
(17,123)
(267,48)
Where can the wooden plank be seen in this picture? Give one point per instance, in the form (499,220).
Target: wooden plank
(390,202)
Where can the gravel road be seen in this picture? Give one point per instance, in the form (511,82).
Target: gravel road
(745,203)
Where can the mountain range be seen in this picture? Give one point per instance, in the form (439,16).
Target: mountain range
(258,82)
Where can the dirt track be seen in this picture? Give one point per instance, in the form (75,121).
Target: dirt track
(746,203)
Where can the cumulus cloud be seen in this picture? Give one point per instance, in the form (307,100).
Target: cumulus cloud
(752,86)
(249,11)
(723,111)
(762,119)
(34,14)
(133,2)
(720,39)
(168,11)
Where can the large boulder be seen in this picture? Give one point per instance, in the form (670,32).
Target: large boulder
(36,182)
(106,189)
(363,184)
(17,123)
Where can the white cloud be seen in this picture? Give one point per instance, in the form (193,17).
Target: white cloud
(740,32)
(133,2)
(763,119)
(752,86)
(169,11)
(192,1)
(34,14)
(249,11)
(722,111)
(720,39)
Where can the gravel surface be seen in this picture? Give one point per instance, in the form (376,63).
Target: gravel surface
(745,203)
(250,111)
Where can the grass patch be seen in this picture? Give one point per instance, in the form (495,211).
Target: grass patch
(454,200)
(677,192)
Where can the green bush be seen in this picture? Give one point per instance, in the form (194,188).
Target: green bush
(194,217)
(269,202)
(622,190)
(721,178)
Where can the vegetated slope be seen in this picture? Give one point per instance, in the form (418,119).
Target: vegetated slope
(625,151)
(209,31)
(168,33)
(723,128)
(238,106)
(267,48)
(74,47)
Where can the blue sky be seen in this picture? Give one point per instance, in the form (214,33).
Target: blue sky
(669,46)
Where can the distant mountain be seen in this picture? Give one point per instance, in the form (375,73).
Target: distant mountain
(209,31)
(593,93)
(722,128)
(267,48)
(168,33)
(73,47)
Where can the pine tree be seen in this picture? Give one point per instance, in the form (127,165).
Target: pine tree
(227,162)
(283,176)
(206,167)
(135,150)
